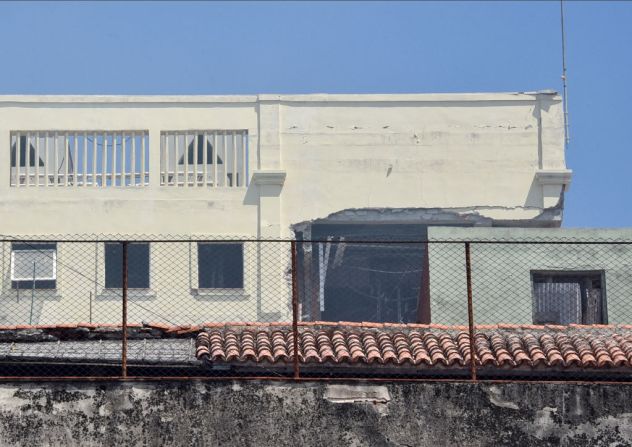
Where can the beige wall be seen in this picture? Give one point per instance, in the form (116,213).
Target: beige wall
(173,297)
(498,155)
(469,152)
(474,153)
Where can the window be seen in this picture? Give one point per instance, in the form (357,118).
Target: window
(33,266)
(220,266)
(137,265)
(568,297)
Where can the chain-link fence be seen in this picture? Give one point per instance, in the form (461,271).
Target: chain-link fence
(184,307)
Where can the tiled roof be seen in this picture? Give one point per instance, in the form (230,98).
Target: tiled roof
(420,346)
(345,344)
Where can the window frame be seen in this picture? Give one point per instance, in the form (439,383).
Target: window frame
(574,274)
(222,289)
(44,283)
(149,279)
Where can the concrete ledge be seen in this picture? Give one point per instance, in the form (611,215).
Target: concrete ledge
(269,177)
(554,177)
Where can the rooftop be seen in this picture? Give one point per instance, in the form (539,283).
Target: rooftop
(329,348)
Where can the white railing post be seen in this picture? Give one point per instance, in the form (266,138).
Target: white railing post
(215,155)
(143,154)
(204,159)
(17,159)
(94,160)
(153,147)
(55,160)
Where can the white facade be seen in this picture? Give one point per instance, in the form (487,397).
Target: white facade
(496,155)
(280,164)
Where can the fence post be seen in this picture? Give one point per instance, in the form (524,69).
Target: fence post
(470,309)
(124,326)
(295,310)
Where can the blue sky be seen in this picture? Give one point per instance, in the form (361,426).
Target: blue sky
(364,47)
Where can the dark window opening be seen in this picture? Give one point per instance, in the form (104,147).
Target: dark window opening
(33,266)
(220,266)
(198,152)
(568,298)
(23,145)
(368,281)
(137,265)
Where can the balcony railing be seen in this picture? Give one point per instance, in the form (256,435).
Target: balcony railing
(210,158)
(95,159)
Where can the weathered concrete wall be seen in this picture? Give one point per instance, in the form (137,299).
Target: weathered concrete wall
(476,152)
(501,273)
(314,414)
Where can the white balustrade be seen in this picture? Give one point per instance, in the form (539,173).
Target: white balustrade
(96,159)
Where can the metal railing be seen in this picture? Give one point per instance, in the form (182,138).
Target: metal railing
(172,307)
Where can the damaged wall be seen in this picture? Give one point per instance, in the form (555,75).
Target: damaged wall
(482,154)
(314,414)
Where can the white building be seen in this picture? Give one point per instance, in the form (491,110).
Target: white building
(252,167)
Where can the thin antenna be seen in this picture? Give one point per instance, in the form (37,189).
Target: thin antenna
(565,94)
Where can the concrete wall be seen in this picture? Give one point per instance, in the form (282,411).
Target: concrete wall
(501,155)
(501,273)
(476,152)
(314,414)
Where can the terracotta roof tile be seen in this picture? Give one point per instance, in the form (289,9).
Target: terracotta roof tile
(424,346)
(379,345)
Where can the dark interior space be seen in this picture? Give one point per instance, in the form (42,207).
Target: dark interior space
(363,272)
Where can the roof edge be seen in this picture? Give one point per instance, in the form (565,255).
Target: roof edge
(251,99)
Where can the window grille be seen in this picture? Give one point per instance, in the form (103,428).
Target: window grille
(568,298)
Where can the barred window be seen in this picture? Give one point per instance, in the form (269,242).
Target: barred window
(568,297)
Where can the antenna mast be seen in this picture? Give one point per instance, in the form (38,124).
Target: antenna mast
(565,94)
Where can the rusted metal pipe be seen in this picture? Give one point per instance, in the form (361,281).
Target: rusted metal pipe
(295,311)
(470,308)
(124,326)
(423,306)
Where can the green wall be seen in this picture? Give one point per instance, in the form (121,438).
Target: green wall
(501,271)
